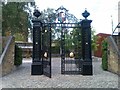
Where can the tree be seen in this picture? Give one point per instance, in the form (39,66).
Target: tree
(75,38)
(49,15)
(94,40)
(15,20)
(72,37)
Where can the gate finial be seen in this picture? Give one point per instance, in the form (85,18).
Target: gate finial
(85,14)
(36,13)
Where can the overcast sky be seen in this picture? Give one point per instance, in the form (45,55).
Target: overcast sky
(100,10)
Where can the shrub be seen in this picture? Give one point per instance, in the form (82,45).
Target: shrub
(18,56)
(104,55)
(55,50)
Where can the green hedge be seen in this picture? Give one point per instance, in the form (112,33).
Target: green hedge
(55,50)
(104,55)
(18,56)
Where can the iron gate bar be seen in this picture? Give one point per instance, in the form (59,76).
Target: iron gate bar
(62,50)
(50,49)
(71,61)
(72,72)
(64,25)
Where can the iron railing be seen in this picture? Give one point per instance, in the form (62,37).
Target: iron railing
(114,31)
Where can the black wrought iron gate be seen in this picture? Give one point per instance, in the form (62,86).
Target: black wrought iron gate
(46,49)
(70,48)
(75,48)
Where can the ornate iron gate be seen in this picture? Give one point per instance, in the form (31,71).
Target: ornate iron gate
(46,49)
(75,46)
(70,48)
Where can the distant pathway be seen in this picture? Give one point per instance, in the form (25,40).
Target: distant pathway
(21,78)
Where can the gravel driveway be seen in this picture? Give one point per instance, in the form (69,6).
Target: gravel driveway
(21,78)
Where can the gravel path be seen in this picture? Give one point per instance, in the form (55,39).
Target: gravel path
(21,78)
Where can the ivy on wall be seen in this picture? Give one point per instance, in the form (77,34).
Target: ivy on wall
(104,55)
(18,56)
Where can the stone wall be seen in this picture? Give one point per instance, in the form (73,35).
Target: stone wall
(113,55)
(117,40)
(0,45)
(119,14)
(7,57)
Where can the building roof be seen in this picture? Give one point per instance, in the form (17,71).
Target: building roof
(103,34)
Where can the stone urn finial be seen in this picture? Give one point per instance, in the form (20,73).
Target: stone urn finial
(85,14)
(36,13)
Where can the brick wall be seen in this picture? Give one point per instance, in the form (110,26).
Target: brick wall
(100,39)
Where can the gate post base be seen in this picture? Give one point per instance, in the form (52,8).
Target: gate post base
(87,69)
(36,68)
